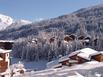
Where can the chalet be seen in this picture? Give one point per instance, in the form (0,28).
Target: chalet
(5,49)
(68,39)
(4,60)
(77,57)
(82,55)
(64,60)
(67,61)
(73,55)
(97,57)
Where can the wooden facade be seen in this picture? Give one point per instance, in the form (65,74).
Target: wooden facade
(98,57)
(66,62)
(79,59)
(74,57)
(68,39)
(3,66)
(3,63)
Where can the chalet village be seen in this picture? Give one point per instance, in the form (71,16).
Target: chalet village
(73,58)
(77,57)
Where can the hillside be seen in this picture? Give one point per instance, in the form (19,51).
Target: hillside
(90,18)
(89,69)
(34,39)
(5,21)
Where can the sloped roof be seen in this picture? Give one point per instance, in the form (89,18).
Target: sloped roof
(64,58)
(4,51)
(11,41)
(88,50)
(52,63)
(74,53)
(86,53)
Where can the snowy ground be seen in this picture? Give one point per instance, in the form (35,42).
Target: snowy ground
(40,65)
(89,69)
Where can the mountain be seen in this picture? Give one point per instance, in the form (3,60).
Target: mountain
(88,19)
(5,21)
(19,23)
(86,22)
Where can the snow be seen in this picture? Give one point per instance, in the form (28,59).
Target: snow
(101,52)
(64,58)
(11,41)
(4,51)
(19,23)
(74,53)
(52,63)
(86,53)
(5,21)
(72,71)
(33,65)
(93,68)
(89,69)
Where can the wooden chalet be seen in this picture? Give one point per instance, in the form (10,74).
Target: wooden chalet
(77,57)
(68,39)
(82,55)
(66,61)
(4,60)
(73,55)
(5,49)
(97,57)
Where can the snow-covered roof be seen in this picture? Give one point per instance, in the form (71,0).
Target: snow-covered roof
(88,50)
(86,53)
(6,41)
(85,56)
(52,63)
(64,58)
(57,65)
(5,51)
(101,52)
(74,53)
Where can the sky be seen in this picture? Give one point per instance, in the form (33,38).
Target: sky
(42,9)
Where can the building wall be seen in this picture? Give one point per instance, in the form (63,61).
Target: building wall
(98,57)
(74,57)
(4,64)
(65,62)
(81,60)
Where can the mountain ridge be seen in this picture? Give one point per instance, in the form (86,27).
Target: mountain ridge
(35,40)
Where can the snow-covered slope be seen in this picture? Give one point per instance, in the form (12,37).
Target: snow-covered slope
(5,21)
(19,23)
(89,69)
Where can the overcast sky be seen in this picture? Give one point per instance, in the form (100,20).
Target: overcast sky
(38,9)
